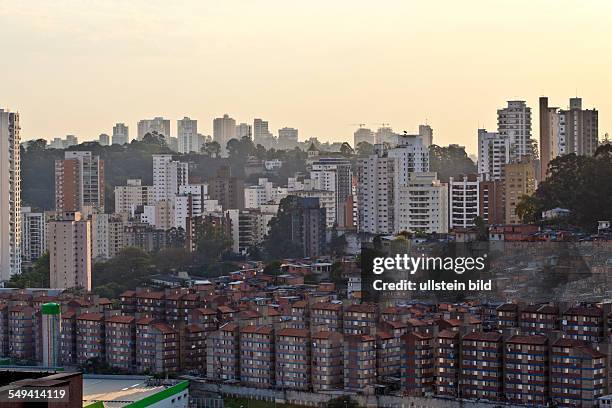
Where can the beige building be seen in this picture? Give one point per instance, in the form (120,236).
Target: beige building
(519,180)
(69,246)
(132,195)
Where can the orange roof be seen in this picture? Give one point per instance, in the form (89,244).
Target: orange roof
(290,332)
(90,316)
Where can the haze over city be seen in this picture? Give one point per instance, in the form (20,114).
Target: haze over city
(78,68)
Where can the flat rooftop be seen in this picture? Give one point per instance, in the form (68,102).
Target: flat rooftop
(117,391)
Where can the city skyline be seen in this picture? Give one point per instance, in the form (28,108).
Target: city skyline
(310,67)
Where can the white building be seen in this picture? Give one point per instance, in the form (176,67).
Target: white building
(514,122)
(107,238)
(104,139)
(224,129)
(10,195)
(158,124)
(33,243)
(159,215)
(262,193)
(333,174)
(363,135)
(189,203)
(423,205)
(131,196)
(375,194)
(261,134)
(287,138)
(121,134)
(464,203)
(187,134)
(168,176)
(493,154)
(243,130)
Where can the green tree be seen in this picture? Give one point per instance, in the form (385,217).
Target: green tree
(212,241)
(342,402)
(365,149)
(279,243)
(36,277)
(337,243)
(450,161)
(212,149)
(528,209)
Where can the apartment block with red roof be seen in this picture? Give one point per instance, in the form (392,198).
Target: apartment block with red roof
(481,366)
(193,349)
(67,347)
(447,363)
(583,323)
(360,318)
(577,374)
(327,364)
(4,330)
(157,347)
(418,364)
(21,332)
(507,316)
(257,366)
(388,356)
(205,317)
(223,354)
(90,338)
(359,363)
(539,319)
(293,359)
(299,315)
(326,316)
(150,304)
(121,342)
(526,375)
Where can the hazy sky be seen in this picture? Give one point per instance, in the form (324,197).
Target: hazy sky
(77,67)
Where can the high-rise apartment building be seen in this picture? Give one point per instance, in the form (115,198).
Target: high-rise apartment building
(243,130)
(69,246)
(158,124)
(10,195)
(79,182)
(551,144)
(519,180)
(376,195)
(464,201)
(224,129)
(33,243)
(514,122)
(333,174)
(187,134)
(226,189)
(422,204)
(168,175)
(121,134)
(131,196)
(308,221)
(493,154)
(287,138)
(363,135)
(261,134)
(104,139)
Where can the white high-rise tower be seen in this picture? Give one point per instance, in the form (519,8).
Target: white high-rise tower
(10,195)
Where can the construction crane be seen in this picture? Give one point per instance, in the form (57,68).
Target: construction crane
(357,124)
(382,124)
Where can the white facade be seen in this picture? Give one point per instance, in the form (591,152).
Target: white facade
(106,235)
(363,135)
(375,194)
(168,176)
(493,154)
(464,203)
(224,129)
(159,215)
(187,134)
(262,193)
(121,134)
(189,203)
(33,243)
(158,124)
(243,130)
(10,195)
(514,122)
(423,205)
(104,139)
(261,134)
(131,196)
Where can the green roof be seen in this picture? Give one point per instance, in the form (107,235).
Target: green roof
(160,396)
(50,308)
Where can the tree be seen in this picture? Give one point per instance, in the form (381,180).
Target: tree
(212,241)
(212,149)
(337,244)
(37,277)
(154,138)
(342,402)
(527,209)
(365,149)
(279,243)
(450,161)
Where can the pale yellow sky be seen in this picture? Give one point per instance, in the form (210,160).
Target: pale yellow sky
(77,67)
